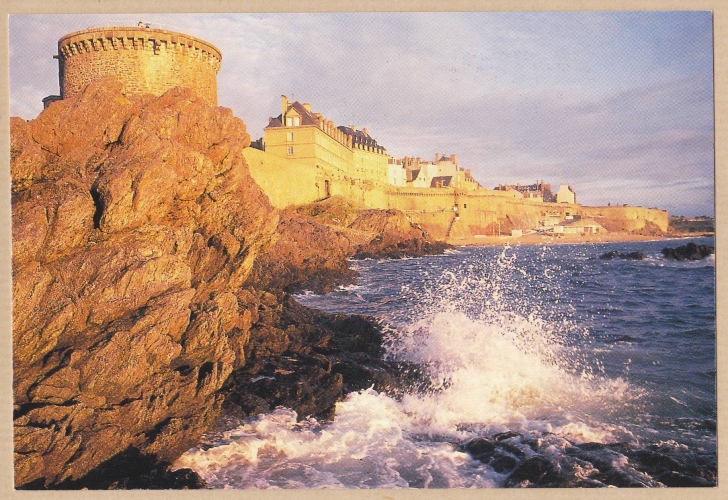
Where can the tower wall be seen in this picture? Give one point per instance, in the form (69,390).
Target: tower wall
(146,60)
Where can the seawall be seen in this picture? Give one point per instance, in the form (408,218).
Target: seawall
(446,214)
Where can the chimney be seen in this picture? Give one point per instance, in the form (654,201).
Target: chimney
(284,108)
(353,127)
(437,157)
(307,106)
(454,159)
(364,131)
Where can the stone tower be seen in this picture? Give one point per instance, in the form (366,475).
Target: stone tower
(146,60)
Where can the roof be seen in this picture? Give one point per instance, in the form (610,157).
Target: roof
(441,181)
(358,136)
(307,118)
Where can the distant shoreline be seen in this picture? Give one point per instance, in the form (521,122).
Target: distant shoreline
(569,239)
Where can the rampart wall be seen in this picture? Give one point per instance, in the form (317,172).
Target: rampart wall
(447,214)
(146,60)
(634,218)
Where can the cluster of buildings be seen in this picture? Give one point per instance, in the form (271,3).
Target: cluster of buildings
(301,134)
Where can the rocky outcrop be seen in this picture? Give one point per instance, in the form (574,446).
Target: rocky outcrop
(308,360)
(691,251)
(395,237)
(528,463)
(135,224)
(316,240)
(148,268)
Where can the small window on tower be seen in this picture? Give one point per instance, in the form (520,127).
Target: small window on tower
(290,150)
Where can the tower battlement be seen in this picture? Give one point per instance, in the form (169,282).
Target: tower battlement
(146,60)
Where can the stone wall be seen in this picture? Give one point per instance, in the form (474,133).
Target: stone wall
(145,60)
(479,212)
(633,218)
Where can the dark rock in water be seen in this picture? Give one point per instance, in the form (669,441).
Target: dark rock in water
(614,254)
(634,256)
(503,463)
(304,383)
(676,479)
(534,471)
(676,465)
(691,251)
(502,436)
(312,362)
(610,255)
(621,479)
(480,449)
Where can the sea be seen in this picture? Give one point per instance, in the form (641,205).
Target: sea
(547,349)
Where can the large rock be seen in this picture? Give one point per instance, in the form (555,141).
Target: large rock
(135,223)
(691,251)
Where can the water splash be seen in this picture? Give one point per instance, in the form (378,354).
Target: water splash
(502,349)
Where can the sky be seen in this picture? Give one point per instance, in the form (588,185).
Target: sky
(619,105)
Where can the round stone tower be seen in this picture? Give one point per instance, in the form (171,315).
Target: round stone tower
(146,60)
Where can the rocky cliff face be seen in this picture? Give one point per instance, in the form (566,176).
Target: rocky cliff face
(147,268)
(134,226)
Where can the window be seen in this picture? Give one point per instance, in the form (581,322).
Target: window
(290,150)
(289,137)
(296,121)
(289,121)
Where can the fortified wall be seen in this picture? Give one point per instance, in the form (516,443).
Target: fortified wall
(146,60)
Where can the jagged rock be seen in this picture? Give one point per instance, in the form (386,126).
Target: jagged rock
(136,226)
(395,236)
(691,251)
(315,241)
(135,223)
(323,357)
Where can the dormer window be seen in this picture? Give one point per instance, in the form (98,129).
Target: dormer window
(293,121)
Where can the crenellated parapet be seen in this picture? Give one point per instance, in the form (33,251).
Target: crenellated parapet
(146,60)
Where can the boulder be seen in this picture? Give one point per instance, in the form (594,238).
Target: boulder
(691,251)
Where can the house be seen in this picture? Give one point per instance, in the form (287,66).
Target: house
(566,194)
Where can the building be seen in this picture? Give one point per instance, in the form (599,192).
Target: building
(145,60)
(301,134)
(539,191)
(566,194)
(444,172)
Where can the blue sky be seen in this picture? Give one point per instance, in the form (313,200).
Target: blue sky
(619,105)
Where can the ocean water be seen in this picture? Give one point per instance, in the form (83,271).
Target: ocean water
(569,352)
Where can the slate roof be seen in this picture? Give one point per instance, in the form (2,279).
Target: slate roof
(441,181)
(359,137)
(307,118)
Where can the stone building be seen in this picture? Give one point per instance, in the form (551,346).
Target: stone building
(444,172)
(566,194)
(301,134)
(145,60)
(539,191)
